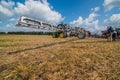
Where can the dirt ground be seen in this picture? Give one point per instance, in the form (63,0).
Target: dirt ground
(37,57)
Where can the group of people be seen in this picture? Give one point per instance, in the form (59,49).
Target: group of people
(111,34)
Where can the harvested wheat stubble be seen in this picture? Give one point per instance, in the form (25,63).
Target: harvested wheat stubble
(46,58)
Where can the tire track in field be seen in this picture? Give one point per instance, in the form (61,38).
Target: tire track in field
(38,47)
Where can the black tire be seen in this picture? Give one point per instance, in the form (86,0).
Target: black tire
(81,35)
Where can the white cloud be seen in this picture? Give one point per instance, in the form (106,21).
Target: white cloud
(7,4)
(12,19)
(113,20)
(90,19)
(89,23)
(109,4)
(6,9)
(95,9)
(77,22)
(40,10)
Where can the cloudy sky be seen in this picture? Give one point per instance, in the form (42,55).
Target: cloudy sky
(92,15)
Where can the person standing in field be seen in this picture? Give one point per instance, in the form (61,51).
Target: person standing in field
(114,36)
(110,33)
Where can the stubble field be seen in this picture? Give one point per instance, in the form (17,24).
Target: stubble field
(37,57)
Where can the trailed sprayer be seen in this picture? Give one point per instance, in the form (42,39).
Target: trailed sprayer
(61,30)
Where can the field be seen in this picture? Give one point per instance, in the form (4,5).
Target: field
(37,57)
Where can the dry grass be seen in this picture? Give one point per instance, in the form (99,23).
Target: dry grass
(34,57)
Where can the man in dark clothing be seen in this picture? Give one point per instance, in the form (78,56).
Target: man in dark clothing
(114,35)
(110,32)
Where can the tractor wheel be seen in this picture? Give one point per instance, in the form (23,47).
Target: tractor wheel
(62,35)
(81,35)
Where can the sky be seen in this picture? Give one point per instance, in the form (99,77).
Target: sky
(93,15)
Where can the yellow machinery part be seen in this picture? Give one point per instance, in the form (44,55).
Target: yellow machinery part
(62,35)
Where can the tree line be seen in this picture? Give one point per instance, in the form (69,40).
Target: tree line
(28,33)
